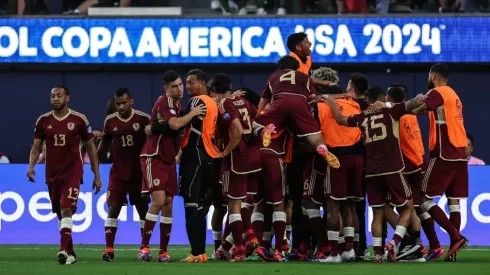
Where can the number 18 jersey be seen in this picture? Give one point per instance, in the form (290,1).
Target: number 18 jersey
(128,138)
(245,158)
(380,132)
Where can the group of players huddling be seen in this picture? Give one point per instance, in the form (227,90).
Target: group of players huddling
(234,152)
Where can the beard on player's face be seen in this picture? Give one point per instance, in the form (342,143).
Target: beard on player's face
(431,85)
(58,106)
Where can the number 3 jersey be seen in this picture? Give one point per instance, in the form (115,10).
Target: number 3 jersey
(128,138)
(245,158)
(63,137)
(380,132)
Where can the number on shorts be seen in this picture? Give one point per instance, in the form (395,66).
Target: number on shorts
(373,126)
(127,140)
(59,140)
(73,194)
(246,119)
(289,76)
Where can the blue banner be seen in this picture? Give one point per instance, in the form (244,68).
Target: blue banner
(26,218)
(257,40)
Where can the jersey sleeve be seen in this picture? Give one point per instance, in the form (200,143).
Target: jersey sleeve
(39,129)
(267,93)
(227,113)
(310,86)
(85,130)
(167,109)
(354,120)
(433,99)
(106,135)
(397,111)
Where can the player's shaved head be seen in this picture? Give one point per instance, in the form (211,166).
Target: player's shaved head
(374,94)
(397,93)
(122,91)
(251,96)
(288,63)
(62,88)
(294,39)
(221,83)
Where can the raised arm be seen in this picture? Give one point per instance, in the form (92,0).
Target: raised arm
(341,120)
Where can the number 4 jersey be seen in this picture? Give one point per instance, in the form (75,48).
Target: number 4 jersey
(381,136)
(128,138)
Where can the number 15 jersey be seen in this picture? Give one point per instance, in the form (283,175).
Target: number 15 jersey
(380,132)
(128,138)
(245,158)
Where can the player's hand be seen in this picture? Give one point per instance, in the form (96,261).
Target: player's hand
(239,93)
(378,105)
(198,110)
(31,175)
(177,158)
(97,185)
(148,130)
(420,98)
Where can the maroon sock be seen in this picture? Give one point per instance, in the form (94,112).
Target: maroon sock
(440,217)
(455,218)
(258,226)
(165,229)
(150,221)
(246,219)
(279,225)
(70,249)
(65,233)
(236,225)
(110,228)
(378,250)
(397,238)
(227,230)
(430,232)
(318,231)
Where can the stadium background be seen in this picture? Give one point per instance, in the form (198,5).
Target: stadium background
(26,82)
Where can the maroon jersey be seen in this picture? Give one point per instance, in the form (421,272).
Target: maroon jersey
(245,157)
(63,138)
(380,133)
(165,145)
(443,148)
(279,143)
(288,82)
(128,138)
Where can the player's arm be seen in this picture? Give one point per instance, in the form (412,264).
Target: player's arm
(341,120)
(265,98)
(33,157)
(94,164)
(104,143)
(416,104)
(236,131)
(161,128)
(431,101)
(177,123)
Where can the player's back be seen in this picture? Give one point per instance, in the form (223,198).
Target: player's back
(290,82)
(411,139)
(245,112)
(63,138)
(165,145)
(381,135)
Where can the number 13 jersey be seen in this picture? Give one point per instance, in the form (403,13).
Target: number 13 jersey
(380,132)
(245,158)
(128,138)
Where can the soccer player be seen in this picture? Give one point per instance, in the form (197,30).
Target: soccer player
(63,130)
(291,92)
(448,169)
(196,164)
(126,130)
(384,164)
(240,157)
(158,163)
(343,185)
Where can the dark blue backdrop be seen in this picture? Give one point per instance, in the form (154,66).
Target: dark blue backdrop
(25,96)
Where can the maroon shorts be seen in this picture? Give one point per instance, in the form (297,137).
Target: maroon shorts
(272,178)
(425,164)
(414,179)
(158,176)
(252,183)
(410,167)
(446,177)
(314,180)
(64,194)
(234,185)
(118,191)
(290,111)
(392,188)
(346,182)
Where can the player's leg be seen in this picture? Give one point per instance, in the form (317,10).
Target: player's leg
(115,198)
(295,187)
(246,212)
(376,189)
(436,181)
(400,196)
(289,217)
(68,192)
(219,211)
(237,191)
(361,218)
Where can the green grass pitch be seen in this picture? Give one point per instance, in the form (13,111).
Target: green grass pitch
(30,259)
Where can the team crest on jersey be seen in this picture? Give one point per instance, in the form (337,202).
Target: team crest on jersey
(156,182)
(136,126)
(226,116)
(71,125)
(173,112)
